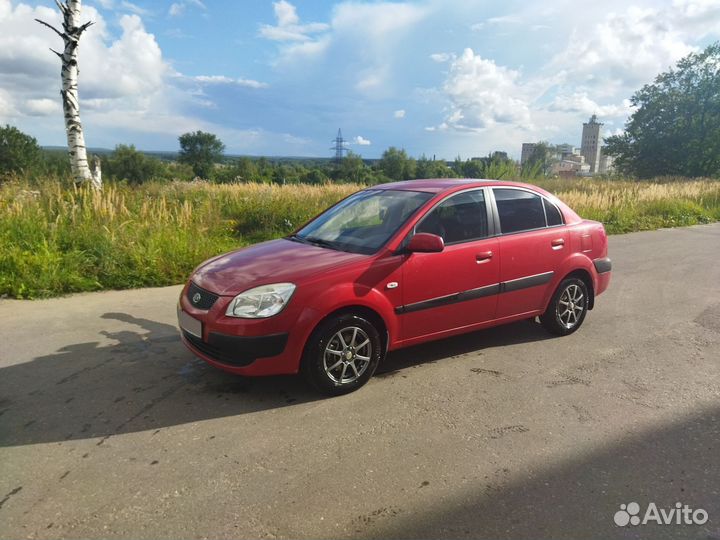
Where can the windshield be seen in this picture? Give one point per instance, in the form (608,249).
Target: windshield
(363,222)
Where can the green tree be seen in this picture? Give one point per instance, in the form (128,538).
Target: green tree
(54,163)
(126,163)
(351,168)
(18,152)
(432,168)
(675,129)
(540,160)
(201,151)
(314,176)
(396,165)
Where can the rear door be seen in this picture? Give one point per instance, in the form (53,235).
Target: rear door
(532,245)
(458,286)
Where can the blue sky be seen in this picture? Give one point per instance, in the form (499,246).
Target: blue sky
(439,77)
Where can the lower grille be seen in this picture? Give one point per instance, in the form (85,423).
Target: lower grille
(215,353)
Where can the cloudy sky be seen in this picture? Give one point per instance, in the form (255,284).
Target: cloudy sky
(440,77)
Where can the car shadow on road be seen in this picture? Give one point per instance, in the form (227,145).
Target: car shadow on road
(148,380)
(511,334)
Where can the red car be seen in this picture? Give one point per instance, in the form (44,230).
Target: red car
(390,266)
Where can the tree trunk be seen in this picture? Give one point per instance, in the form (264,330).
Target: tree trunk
(72,30)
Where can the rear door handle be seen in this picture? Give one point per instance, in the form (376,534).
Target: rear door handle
(483,257)
(557,243)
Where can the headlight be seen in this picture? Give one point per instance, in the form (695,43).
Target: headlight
(261,302)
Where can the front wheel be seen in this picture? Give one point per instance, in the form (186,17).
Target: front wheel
(567,308)
(342,354)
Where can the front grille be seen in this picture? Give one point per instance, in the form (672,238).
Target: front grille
(200,298)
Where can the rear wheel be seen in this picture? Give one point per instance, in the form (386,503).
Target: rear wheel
(342,354)
(567,308)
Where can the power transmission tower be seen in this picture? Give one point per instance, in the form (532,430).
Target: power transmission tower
(340,146)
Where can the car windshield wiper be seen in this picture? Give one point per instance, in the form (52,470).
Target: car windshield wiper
(296,238)
(321,242)
(315,241)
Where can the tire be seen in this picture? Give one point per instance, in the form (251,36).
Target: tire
(342,354)
(567,308)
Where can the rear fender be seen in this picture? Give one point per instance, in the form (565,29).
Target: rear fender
(574,262)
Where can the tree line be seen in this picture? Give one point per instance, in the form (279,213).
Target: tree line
(201,155)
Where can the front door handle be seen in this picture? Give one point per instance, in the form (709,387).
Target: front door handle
(483,257)
(557,243)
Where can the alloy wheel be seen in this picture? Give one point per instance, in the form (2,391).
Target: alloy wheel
(347,355)
(570,306)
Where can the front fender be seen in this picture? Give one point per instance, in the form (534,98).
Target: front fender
(354,294)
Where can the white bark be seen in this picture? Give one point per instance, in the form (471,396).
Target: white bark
(72,30)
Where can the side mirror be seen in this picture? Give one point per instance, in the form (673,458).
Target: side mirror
(426,243)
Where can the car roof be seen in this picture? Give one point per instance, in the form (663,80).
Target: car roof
(439,185)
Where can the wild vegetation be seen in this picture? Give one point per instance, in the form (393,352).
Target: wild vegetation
(155,220)
(675,128)
(57,238)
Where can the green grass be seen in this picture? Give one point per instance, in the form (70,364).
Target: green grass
(55,239)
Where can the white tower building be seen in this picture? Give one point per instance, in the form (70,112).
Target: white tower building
(591,143)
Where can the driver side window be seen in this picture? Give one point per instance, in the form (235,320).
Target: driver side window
(460,218)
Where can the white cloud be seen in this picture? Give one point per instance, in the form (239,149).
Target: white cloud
(178,8)
(134,8)
(440,57)
(296,53)
(222,79)
(400,113)
(123,5)
(42,106)
(286,13)
(288,26)
(482,94)
(7,108)
(125,84)
(495,21)
(362,141)
(580,102)
(366,33)
(629,48)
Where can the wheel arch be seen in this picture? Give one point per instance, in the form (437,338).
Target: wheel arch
(586,277)
(357,309)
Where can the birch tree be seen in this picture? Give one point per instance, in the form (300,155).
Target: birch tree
(72,30)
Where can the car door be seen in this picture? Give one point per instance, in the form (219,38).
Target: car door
(457,287)
(532,245)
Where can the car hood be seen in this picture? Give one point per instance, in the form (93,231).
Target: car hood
(276,261)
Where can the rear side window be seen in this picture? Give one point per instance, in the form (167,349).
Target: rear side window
(552,213)
(460,218)
(519,210)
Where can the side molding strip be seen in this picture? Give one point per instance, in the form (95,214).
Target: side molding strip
(526,282)
(480,292)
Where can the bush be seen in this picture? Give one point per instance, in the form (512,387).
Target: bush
(18,152)
(126,163)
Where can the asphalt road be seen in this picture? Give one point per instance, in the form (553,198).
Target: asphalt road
(110,428)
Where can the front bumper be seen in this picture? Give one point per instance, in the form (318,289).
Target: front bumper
(248,347)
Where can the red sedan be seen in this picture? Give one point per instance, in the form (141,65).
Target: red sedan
(390,266)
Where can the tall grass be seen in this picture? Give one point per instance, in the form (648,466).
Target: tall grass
(57,239)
